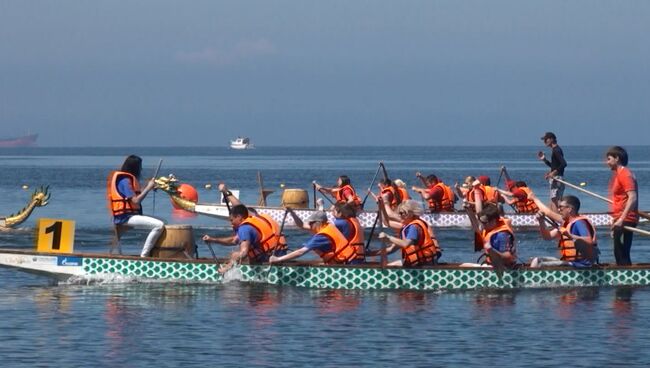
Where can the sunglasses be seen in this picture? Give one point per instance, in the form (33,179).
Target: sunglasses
(403,213)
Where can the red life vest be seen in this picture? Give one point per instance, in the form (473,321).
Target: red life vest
(117,204)
(567,246)
(390,191)
(268,238)
(446,203)
(526,205)
(502,226)
(342,252)
(338,195)
(423,251)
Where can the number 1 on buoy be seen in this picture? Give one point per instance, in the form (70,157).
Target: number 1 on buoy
(55,235)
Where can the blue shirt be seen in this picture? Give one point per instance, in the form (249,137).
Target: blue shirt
(248,232)
(344,227)
(580,228)
(412,233)
(501,242)
(319,242)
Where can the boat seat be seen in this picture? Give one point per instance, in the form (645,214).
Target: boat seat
(118,231)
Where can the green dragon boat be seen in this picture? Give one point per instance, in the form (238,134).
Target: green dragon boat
(311,275)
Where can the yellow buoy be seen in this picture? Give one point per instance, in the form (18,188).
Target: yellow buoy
(208,186)
(281,185)
(25,186)
(583,184)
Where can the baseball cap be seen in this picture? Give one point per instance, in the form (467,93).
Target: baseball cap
(548,135)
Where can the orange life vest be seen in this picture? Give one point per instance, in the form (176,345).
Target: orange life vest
(404,193)
(342,251)
(446,203)
(281,239)
(491,194)
(567,246)
(393,198)
(117,204)
(266,235)
(338,195)
(422,252)
(527,205)
(502,226)
(356,238)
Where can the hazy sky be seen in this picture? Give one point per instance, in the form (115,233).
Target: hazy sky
(189,73)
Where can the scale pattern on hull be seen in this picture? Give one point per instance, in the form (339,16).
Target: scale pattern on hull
(373,278)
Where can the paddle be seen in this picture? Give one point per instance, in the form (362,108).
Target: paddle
(641,213)
(155,175)
(321,192)
(371,184)
(314,187)
(503,168)
(372,230)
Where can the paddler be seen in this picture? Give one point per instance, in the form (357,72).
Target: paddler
(125,197)
(417,241)
(494,235)
(623,193)
(438,195)
(576,236)
(401,186)
(390,193)
(328,242)
(518,196)
(258,235)
(342,192)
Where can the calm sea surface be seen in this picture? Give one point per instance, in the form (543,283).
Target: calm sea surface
(110,323)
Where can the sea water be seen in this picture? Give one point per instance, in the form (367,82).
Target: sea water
(139,323)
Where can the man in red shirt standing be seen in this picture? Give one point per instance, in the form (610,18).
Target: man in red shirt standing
(623,191)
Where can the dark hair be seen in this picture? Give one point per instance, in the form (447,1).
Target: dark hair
(133,165)
(490,211)
(252,210)
(572,201)
(345,180)
(239,210)
(386,181)
(432,179)
(521,184)
(346,210)
(618,152)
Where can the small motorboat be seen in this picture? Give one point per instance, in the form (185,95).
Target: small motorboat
(241,143)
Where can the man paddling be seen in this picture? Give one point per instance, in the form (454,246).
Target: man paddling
(257,235)
(328,242)
(556,165)
(576,237)
(623,192)
(438,195)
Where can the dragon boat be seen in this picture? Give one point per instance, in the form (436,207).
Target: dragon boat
(39,198)
(366,218)
(372,276)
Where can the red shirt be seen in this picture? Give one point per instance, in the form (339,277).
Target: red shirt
(622,181)
(519,194)
(435,193)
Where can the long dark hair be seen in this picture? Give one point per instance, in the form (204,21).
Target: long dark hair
(345,180)
(133,165)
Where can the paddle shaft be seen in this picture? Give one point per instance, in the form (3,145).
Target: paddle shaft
(371,184)
(641,213)
(372,230)
(155,175)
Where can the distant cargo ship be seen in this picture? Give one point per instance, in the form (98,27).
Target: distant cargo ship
(25,141)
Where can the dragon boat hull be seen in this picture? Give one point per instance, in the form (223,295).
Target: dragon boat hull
(367,219)
(363,277)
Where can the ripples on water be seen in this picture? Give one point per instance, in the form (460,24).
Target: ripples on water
(137,323)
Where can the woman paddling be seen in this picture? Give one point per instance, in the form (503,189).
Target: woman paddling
(342,192)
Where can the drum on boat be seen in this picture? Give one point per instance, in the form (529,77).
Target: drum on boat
(177,241)
(295,198)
